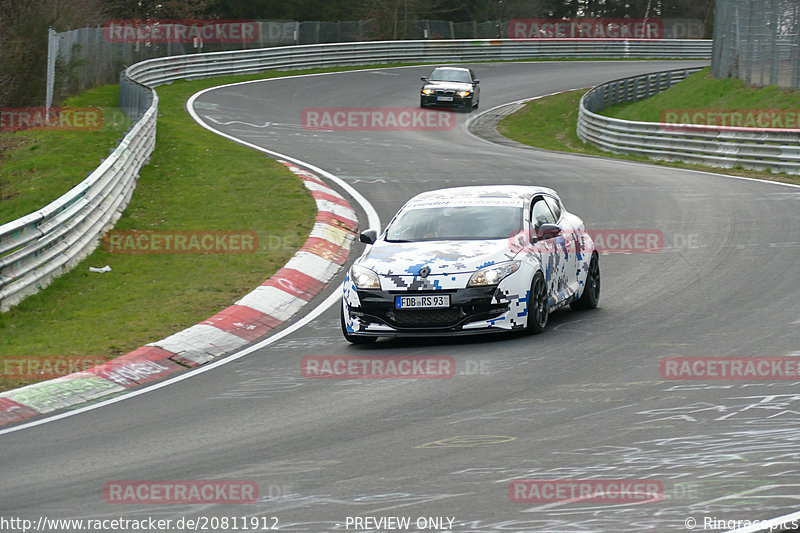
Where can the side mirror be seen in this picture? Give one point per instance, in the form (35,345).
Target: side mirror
(475,82)
(423,78)
(549,231)
(368,236)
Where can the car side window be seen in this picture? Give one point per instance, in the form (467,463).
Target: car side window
(555,207)
(541,214)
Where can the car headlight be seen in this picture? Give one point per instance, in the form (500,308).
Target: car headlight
(364,278)
(492,275)
(464,93)
(427,91)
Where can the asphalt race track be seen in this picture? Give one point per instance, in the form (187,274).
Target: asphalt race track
(583,401)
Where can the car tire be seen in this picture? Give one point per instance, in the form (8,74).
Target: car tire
(353,339)
(591,291)
(538,308)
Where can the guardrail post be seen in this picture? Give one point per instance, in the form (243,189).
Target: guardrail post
(52,54)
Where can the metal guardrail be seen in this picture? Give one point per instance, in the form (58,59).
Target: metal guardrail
(92,56)
(719,146)
(42,245)
(161,70)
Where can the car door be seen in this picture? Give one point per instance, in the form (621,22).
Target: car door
(553,251)
(572,242)
(476,89)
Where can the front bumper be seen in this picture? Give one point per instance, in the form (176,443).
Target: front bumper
(431,100)
(472,310)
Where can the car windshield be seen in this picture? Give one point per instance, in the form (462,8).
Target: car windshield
(456,224)
(446,74)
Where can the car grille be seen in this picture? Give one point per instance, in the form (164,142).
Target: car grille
(426,317)
(474,303)
(445,92)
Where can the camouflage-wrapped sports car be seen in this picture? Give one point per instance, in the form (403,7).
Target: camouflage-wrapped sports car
(470,260)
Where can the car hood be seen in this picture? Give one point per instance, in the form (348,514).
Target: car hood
(441,257)
(452,85)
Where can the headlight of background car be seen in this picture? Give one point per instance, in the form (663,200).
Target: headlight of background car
(427,91)
(492,275)
(365,278)
(462,94)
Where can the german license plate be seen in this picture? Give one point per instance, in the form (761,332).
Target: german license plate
(424,301)
(444,98)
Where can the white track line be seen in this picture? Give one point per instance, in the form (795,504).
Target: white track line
(610,156)
(763,526)
(373,221)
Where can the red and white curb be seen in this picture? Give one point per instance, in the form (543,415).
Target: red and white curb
(265,308)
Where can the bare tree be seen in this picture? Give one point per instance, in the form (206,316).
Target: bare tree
(160,9)
(24,42)
(391,18)
(7,64)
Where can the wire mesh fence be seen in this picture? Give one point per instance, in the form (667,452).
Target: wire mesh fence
(89,57)
(758,41)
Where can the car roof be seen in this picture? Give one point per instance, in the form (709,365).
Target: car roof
(450,68)
(524,192)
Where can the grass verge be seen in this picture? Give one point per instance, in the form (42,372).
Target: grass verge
(38,166)
(702,91)
(551,122)
(195,181)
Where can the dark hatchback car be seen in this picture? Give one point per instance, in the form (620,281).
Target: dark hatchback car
(450,86)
